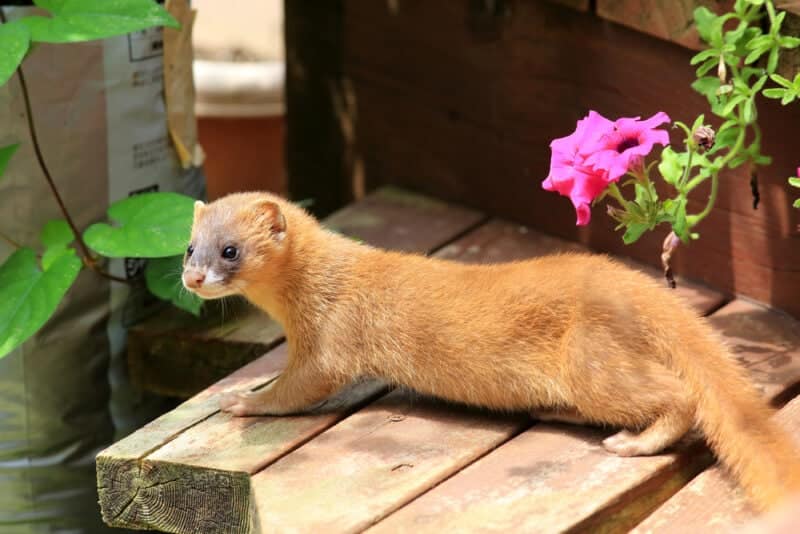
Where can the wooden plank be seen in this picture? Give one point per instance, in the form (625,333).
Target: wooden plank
(712,500)
(486,144)
(556,478)
(671,20)
(175,354)
(128,486)
(374,461)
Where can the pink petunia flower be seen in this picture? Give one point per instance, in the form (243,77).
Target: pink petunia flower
(585,162)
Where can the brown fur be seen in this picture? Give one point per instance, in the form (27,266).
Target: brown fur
(571,337)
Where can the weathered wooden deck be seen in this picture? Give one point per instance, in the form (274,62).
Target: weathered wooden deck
(390,461)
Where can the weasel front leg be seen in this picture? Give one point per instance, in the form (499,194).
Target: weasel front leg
(295,390)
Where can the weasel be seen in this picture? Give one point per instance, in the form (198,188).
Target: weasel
(570,337)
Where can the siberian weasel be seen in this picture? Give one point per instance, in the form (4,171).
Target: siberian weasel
(569,337)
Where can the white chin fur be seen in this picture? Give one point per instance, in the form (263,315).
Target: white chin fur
(211,291)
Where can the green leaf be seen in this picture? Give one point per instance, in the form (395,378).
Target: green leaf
(772,62)
(795,182)
(151,225)
(788,98)
(6,153)
(732,103)
(679,225)
(633,232)
(749,113)
(14,43)
(163,279)
(774,92)
(86,20)
(761,159)
(670,167)
(780,80)
(789,42)
(704,55)
(796,203)
(29,295)
(704,20)
(759,84)
(707,85)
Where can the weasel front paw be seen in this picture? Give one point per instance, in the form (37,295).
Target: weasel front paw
(241,404)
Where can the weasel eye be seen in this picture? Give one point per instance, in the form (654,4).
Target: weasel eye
(189,250)
(230,253)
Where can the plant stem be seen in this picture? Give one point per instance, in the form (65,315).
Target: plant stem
(686,171)
(10,241)
(712,197)
(88,260)
(614,191)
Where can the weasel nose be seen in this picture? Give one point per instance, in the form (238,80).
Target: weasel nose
(193,279)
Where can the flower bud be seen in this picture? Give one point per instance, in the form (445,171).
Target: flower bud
(704,137)
(722,70)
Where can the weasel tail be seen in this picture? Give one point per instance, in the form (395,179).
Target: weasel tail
(735,420)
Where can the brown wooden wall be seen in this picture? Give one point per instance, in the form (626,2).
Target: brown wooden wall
(461,98)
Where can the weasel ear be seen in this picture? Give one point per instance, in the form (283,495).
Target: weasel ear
(273,218)
(198,207)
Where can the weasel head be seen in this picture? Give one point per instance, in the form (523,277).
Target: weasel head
(233,240)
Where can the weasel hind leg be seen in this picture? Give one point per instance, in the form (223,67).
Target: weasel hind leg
(665,431)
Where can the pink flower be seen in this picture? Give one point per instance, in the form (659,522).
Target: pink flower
(596,154)
(626,144)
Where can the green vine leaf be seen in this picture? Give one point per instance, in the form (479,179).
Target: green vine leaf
(15,39)
(6,153)
(163,279)
(86,20)
(150,225)
(30,294)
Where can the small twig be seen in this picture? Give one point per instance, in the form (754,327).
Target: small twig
(754,190)
(10,241)
(670,244)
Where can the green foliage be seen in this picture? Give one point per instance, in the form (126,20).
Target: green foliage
(163,278)
(154,225)
(743,51)
(5,155)
(29,292)
(150,225)
(86,20)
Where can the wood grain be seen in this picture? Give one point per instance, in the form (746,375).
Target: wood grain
(558,478)
(375,461)
(137,493)
(671,20)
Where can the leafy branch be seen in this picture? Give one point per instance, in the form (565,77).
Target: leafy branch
(153,225)
(744,60)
